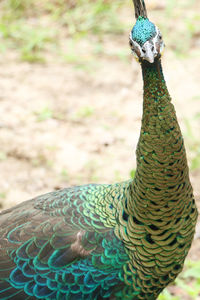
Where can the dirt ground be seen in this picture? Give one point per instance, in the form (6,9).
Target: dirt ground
(61,125)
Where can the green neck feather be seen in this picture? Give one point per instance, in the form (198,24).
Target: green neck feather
(161,159)
(157,215)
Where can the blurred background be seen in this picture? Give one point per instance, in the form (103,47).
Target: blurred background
(71,98)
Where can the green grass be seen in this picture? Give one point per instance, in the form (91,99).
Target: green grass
(44,114)
(180,38)
(3,156)
(28,40)
(192,142)
(2,195)
(132,173)
(84,112)
(32,28)
(96,17)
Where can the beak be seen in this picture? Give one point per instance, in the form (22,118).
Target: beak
(149,52)
(150,57)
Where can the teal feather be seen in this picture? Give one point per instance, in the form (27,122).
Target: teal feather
(143,31)
(43,264)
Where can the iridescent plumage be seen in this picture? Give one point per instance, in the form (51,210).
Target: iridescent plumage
(121,241)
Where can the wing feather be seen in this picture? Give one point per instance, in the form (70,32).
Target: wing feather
(56,245)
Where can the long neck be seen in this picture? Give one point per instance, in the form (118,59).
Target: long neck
(162,172)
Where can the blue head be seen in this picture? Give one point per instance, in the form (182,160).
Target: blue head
(146,40)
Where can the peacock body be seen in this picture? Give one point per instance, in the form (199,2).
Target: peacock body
(120,241)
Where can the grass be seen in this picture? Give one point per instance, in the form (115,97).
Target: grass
(3,156)
(2,195)
(192,142)
(84,112)
(181,39)
(28,40)
(132,173)
(102,18)
(33,27)
(44,114)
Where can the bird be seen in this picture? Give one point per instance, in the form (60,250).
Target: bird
(122,241)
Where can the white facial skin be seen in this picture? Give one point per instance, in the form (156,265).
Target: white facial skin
(150,49)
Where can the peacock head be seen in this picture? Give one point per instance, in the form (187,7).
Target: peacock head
(146,40)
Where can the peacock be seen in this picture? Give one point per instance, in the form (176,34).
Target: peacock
(126,240)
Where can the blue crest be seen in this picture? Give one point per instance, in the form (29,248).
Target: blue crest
(143,31)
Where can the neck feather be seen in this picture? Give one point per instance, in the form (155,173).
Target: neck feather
(162,172)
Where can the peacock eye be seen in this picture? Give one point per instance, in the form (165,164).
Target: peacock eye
(143,50)
(130,43)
